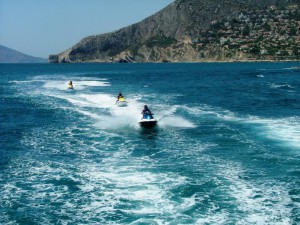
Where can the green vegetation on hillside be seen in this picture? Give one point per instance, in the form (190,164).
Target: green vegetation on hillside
(270,33)
(160,40)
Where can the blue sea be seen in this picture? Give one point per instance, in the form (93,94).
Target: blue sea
(226,149)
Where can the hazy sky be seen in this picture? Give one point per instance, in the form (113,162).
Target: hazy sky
(43,27)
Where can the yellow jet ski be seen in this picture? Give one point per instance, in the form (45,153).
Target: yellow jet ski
(121,102)
(70,85)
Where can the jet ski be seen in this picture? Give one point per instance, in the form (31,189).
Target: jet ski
(121,102)
(148,121)
(70,85)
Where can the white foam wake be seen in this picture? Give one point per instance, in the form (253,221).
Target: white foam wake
(261,203)
(285,130)
(175,121)
(78,84)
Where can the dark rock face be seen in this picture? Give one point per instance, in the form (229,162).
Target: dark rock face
(168,36)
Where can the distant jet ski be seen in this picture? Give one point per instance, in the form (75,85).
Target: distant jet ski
(121,102)
(70,85)
(147,120)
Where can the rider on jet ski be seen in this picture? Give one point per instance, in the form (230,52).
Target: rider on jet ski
(70,85)
(146,112)
(120,96)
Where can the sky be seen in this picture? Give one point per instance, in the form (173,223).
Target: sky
(43,27)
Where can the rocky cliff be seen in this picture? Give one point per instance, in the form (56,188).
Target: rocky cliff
(171,35)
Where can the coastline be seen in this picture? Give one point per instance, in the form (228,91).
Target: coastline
(206,61)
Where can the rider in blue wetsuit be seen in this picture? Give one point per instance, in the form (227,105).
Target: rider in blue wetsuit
(147,113)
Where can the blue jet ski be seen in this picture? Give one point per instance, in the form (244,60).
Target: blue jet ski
(148,121)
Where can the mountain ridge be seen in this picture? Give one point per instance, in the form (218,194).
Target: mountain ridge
(167,36)
(8,55)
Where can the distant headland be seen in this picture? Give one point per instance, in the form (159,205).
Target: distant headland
(8,55)
(200,31)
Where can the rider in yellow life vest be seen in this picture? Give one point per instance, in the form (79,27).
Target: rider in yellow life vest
(120,97)
(70,85)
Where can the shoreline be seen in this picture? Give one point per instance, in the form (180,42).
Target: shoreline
(163,62)
(170,62)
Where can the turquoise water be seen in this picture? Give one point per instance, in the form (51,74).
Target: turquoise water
(226,149)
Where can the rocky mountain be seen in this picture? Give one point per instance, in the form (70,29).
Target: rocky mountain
(196,30)
(8,55)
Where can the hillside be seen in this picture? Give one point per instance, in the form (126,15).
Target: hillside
(8,55)
(199,30)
